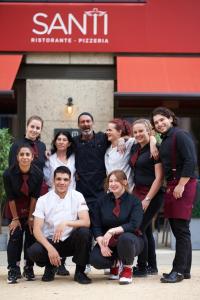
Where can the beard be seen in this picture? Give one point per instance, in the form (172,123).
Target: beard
(86,132)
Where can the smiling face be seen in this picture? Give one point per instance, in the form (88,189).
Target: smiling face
(33,129)
(116,186)
(61,183)
(24,157)
(141,133)
(62,143)
(85,124)
(112,133)
(162,124)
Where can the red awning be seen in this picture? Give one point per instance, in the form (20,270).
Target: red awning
(170,75)
(9,65)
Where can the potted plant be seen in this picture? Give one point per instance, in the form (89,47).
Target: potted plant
(5,143)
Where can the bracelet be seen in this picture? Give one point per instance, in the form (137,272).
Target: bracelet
(15,219)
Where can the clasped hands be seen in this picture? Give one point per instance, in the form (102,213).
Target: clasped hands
(103,243)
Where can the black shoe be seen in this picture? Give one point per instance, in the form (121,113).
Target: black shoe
(28,273)
(139,272)
(62,271)
(49,273)
(82,278)
(186,275)
(173,277)
(19,274)
(12,275)
(152,271)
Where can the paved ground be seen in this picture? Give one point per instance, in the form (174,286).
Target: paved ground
(65,288)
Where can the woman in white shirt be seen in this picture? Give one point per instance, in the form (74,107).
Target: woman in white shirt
(62,154)
(115,159)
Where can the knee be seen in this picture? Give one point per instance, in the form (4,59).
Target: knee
(17,235)
(34,251)
(125,239)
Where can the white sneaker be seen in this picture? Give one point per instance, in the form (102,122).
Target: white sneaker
(106,271)
(114,273)
(87,269)
(126,276)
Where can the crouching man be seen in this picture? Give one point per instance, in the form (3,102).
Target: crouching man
(61,228)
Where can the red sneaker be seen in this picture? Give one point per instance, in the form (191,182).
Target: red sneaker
(114,273)
(126,276)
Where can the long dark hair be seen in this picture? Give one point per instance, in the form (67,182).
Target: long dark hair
(70,149)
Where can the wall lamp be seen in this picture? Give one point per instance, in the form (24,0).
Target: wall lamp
(69,106)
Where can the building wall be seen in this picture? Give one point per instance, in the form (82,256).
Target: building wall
(47,98)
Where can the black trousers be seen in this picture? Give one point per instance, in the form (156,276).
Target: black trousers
(128,246)
(16,243)
(183,255)
(76,245)
(146,228)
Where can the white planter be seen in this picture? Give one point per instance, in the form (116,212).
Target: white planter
(3,241)
(195,235)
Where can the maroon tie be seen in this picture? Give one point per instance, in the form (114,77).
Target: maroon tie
(116,209)
(134,157)
(35,150)
(25,187)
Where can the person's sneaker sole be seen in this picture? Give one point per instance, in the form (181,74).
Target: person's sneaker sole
(12,281)
(113,277)
(124,281)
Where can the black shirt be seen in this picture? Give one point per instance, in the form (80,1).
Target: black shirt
(130,217)
(186,159)
(12,178)
(90,166)
(144,168)
(38,161)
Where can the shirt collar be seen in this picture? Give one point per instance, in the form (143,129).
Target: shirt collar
(168,133)
(122,197)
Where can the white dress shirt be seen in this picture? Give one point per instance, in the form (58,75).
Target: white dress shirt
(55,210)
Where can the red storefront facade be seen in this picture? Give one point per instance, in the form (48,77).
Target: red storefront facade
(154,45)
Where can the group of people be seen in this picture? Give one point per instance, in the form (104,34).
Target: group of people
(106,187)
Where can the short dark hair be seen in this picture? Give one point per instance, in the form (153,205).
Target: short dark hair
(63,170)
(85,114)
(166,112)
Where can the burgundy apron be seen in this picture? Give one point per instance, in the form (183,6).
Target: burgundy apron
(180,208)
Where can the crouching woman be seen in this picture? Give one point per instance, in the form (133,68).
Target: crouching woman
(118,215)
